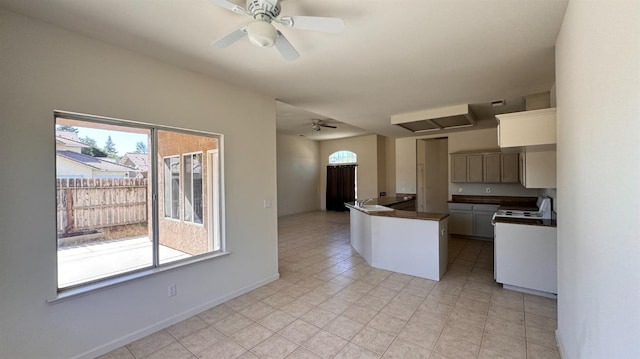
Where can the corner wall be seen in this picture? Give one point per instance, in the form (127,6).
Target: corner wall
(45,68)
(298,175)
(598,101)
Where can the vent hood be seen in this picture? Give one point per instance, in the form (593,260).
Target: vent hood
(437,119)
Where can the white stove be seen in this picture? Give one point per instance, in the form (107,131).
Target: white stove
(543,212)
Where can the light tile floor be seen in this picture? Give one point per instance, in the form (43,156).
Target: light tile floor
(330,304)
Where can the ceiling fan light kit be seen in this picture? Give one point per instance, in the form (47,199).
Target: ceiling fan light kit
(262,33)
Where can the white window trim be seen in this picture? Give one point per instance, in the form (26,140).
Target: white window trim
(184,181)
(171,189)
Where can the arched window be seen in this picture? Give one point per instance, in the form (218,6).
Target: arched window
(342,157)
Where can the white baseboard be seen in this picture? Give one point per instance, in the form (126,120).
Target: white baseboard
(167,322)
(530,291)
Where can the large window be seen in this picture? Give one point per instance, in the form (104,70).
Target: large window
(128,196)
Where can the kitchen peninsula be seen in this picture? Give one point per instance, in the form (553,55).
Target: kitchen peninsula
(408,242)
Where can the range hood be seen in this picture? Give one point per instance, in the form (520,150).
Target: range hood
(437,119)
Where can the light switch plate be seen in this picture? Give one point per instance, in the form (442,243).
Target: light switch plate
(267,203)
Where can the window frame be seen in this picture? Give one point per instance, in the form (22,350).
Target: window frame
(337,154)
(218,232)
(184,183)
(171,218)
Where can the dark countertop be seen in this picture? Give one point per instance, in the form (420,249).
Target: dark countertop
(387,201)
(528,222)
(505,202)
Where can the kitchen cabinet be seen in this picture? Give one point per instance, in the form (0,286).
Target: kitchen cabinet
(492,168)
(509,168)
(538,169)
(468,219)
(458,168)
(526,257)
(482,215)
(475,168)
(461,219)
(484,167)
(527,128)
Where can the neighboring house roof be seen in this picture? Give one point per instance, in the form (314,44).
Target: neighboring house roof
(69,138)
(139,160)
(94,162)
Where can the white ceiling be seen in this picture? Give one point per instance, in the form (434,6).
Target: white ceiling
(393,57)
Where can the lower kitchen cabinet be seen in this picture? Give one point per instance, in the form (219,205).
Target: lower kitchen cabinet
(468,219)
(526,257)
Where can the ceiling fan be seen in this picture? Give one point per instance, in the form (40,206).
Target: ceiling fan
(261,31)
(317,125)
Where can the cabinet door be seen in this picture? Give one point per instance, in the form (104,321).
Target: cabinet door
(540,169)
(461,222)
(474,168)
(459,168)
(491,168)
(509,168)
(482,226)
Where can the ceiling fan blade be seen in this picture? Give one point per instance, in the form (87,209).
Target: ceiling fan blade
(230,38)
(329,126)
(313,23)
(286,49)
(230,6)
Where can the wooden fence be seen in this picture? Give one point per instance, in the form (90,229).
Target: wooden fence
(86,204)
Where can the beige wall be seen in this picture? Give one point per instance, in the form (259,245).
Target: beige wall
(365,147)
(406,165)
(390,153)
(382,163)
(598,101)
(45,68)
(298,175)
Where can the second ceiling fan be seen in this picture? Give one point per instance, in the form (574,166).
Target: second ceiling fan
(261,31)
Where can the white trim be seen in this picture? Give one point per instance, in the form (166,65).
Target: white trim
(164,183)
(184,181)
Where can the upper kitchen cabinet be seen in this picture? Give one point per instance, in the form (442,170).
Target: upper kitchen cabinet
(492,168)
(538,169)
(458,168)
(509,168)
(527,128)
(484,167)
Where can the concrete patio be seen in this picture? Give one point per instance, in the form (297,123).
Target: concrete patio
(87,262)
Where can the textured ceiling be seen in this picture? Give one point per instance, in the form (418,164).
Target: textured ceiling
(393,56)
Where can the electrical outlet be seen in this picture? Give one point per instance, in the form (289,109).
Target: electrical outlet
(171,290)
(460,190)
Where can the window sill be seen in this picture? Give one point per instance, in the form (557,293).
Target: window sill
(112,282)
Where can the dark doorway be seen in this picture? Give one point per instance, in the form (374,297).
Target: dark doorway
(341,186)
